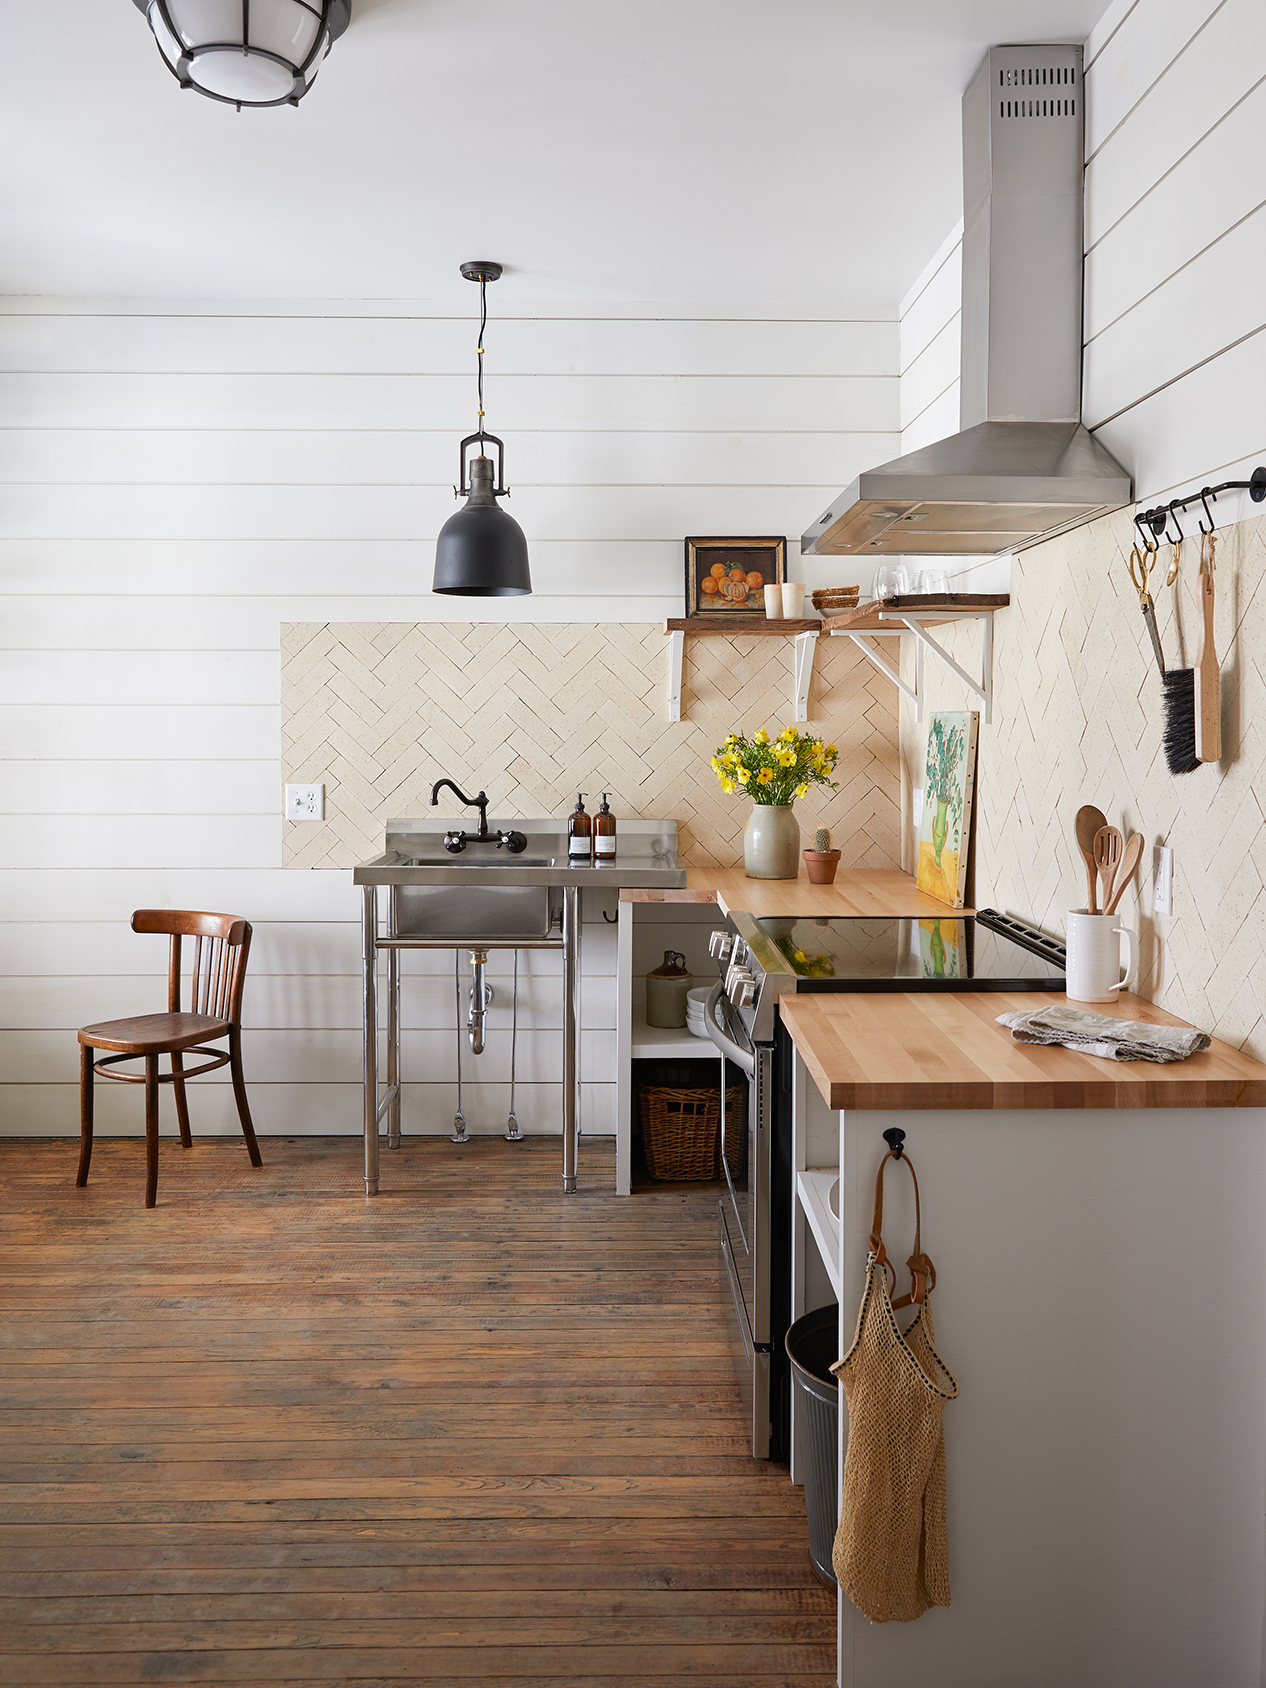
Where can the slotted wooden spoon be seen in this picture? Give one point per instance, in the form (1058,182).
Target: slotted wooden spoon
(1109,848)
(1089,822)
(1130,858)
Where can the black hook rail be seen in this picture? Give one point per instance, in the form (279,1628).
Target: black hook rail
(1153,524)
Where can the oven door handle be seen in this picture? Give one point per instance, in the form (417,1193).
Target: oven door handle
(724,1042)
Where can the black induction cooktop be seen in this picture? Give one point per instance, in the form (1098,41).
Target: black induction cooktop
(985,951)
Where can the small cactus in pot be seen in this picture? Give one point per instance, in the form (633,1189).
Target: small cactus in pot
(821,861)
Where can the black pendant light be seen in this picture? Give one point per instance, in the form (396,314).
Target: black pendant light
(252,53)
(481,552)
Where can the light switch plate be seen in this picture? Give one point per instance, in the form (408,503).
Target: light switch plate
(1163,895)
(305,802)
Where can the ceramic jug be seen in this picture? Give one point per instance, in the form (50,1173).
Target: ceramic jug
(666,989)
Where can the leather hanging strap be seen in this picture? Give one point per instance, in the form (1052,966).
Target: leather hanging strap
(922,1271)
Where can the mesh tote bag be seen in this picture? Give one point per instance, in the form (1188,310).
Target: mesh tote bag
(890,1553)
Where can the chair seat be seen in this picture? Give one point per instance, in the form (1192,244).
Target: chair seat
(153,1034)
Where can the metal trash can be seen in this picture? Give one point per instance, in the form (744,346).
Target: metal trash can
(813,1347)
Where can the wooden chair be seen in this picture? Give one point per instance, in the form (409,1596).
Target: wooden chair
(221,945)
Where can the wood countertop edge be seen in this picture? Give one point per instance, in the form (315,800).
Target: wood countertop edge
(863,893)
(945,1052)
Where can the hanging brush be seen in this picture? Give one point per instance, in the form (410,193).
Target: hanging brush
(1178,694)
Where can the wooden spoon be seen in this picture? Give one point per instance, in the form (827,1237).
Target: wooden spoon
(1130,858)
(1089,821)
(1109,847)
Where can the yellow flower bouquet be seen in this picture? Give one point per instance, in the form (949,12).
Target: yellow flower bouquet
(774,771)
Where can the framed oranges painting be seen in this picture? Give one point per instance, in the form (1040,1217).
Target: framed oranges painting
(728,577)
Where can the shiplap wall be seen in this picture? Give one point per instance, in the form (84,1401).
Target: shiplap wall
(176,480)
(1172,374)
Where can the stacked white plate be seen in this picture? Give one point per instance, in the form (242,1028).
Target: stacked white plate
(695,1000)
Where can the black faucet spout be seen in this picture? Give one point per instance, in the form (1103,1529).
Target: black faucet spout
(480,802)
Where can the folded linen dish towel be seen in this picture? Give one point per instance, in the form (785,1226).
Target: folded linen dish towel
(1096,1034)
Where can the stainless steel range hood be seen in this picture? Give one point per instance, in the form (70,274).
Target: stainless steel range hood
(1023,468)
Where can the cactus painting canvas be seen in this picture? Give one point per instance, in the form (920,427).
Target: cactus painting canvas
(948,788)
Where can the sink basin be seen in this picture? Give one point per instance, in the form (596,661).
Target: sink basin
(480,857)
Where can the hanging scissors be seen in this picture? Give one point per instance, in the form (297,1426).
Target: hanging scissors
(1142,560)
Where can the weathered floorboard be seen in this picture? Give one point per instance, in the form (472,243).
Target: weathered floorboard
(472,1431)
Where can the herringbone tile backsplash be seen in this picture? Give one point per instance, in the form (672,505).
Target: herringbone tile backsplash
(534,712)
(1077,719)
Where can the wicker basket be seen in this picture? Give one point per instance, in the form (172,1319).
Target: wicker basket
(833,600)
(681,1131)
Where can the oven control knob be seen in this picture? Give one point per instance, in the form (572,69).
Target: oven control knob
(720,944)
(734,980)
(746,993)
(740,953)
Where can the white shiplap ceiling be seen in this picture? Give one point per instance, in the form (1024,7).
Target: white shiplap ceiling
(794,155)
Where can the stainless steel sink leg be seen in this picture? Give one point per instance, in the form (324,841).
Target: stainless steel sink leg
(513,1134)
(393,1048)
(571,1074)
(459,1118)
(369,959)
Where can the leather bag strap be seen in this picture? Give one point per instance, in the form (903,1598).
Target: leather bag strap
(922,1271)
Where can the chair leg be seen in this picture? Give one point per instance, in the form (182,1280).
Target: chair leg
(239,1091)
(86,1073)
(182,1100)
(151,1130)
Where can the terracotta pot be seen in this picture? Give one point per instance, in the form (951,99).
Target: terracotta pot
(821,865)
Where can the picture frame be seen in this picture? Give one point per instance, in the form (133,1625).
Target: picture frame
(949,790)
(715,564)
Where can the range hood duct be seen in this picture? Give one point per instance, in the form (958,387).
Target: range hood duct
(1022,468)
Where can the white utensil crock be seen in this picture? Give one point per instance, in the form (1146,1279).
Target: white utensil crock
(773,603)
(1093,969)
(792,600)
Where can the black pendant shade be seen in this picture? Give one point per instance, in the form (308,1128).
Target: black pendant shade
(481,552)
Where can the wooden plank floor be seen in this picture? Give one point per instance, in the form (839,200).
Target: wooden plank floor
(470,1431)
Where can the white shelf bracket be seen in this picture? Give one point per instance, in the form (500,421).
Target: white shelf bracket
(982,689)
(676,650)
(806,644)
(890,672)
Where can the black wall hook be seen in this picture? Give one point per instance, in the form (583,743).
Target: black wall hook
(895,1138)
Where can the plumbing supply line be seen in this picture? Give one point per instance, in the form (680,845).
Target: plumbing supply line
(479,998)
(459,1118)
(513,1134)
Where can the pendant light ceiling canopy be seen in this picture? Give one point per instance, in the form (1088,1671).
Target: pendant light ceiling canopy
(246,52)
(481,552)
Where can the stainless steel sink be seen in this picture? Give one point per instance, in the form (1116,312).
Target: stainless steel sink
(483,898)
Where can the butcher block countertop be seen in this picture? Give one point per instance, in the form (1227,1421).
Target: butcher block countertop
(857,891)
(943,1050)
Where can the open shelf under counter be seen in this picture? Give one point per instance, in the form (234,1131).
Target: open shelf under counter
(814,1190)
(668,1043)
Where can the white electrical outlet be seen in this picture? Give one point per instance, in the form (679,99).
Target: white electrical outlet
(916,806)
(1163,894)
(305,802)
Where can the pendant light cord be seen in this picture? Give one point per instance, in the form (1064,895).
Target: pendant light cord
(483,323)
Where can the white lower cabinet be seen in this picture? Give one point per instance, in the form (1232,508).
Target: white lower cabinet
(1099,1284)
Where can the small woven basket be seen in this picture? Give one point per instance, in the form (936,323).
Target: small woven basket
(831,600)
(681,1132)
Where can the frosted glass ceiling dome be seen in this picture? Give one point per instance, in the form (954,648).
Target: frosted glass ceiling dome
(246,52)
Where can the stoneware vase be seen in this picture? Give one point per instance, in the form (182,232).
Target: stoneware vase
(771,844)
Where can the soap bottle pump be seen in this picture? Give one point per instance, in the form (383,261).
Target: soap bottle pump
(604,833)
(579,832)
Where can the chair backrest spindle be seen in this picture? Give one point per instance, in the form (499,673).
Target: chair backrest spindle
(218,971)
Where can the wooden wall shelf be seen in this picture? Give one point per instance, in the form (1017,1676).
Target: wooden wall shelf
(744,626)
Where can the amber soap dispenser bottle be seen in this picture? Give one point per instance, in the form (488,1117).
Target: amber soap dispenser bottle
(604,833)
(579,833)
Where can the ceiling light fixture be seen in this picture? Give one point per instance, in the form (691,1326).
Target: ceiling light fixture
(252,53)
(481,552)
